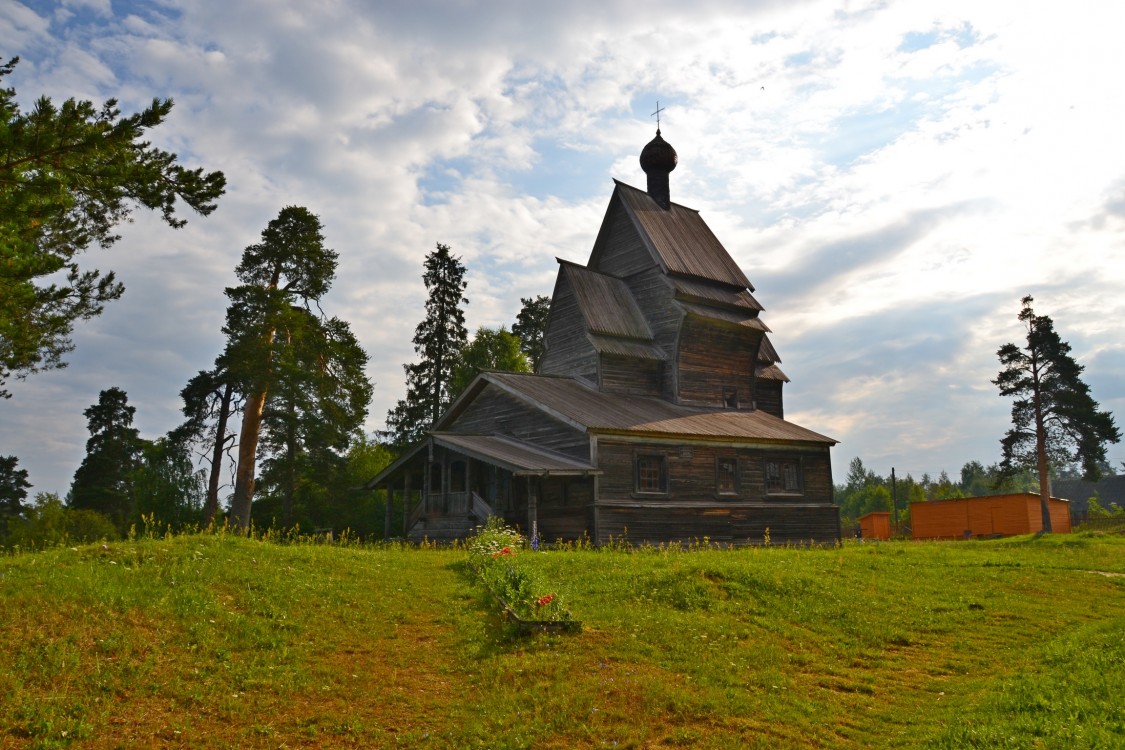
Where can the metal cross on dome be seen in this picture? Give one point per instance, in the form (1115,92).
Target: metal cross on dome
(659,109)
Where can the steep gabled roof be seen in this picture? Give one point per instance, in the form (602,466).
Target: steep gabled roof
(586,408)
(681,240)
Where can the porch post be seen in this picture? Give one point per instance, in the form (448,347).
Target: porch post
(427,472)
(407,502)
(532,510)
(390,490)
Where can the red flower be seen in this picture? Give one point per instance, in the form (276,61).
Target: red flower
(543,601)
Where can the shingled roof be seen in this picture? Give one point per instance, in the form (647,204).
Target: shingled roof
(607,305)
(681,240)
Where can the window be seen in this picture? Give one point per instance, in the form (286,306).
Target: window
(783,476)
(652,474)
(726,475)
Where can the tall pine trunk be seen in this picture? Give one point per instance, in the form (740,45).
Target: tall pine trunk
(1041,465)
(247,454)
(1041,446)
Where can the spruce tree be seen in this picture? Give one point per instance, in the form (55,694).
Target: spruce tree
(13,490)
(531,327)
(104,480)
(1055,421)
(438,340)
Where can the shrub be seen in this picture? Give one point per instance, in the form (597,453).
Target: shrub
(498,555)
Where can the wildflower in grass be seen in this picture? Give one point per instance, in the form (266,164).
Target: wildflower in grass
(543,601)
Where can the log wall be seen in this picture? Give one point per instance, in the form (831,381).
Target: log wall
(567,350)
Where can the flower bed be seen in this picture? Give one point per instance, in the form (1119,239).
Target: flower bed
(497,555)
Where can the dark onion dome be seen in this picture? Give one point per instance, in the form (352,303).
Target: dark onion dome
(658,156)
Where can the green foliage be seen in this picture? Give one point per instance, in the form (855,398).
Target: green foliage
(438,340)
(69,175)
(49,523)
(13,488)
(492,349)
(497,555)
(531,327)
(104,480)
(1095,509)
(166,487)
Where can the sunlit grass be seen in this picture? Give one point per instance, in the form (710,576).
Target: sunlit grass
(216,641)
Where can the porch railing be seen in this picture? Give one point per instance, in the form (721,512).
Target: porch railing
(480,509)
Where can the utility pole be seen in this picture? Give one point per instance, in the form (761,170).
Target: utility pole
(894,497)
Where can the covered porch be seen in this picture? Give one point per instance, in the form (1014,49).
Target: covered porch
(450,483)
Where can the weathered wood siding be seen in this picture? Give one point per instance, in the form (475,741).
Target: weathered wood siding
(692,471)
(640,377)
(739,524)
(654,296)
(714,358)
(563,508)
(619,250)
(567,349)
(496,412)
(767,397)
(692,507)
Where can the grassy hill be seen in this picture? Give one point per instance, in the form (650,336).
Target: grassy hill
(216,641)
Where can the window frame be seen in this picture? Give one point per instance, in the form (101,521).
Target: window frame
(661,465)
(779,485)
(735,488)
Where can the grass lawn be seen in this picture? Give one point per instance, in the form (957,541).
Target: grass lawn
(217,641)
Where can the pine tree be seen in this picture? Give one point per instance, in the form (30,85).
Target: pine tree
(69,175)
(1055,421)
(210,402)
(277,345)
(438,340)
(319,403)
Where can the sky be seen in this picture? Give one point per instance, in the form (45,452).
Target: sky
(893,177)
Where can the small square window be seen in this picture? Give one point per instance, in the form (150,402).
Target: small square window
(652,474)
(726,475)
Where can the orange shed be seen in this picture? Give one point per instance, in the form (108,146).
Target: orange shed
(875,525)
(996,515)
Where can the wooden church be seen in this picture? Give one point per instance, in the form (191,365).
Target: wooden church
(656,414)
